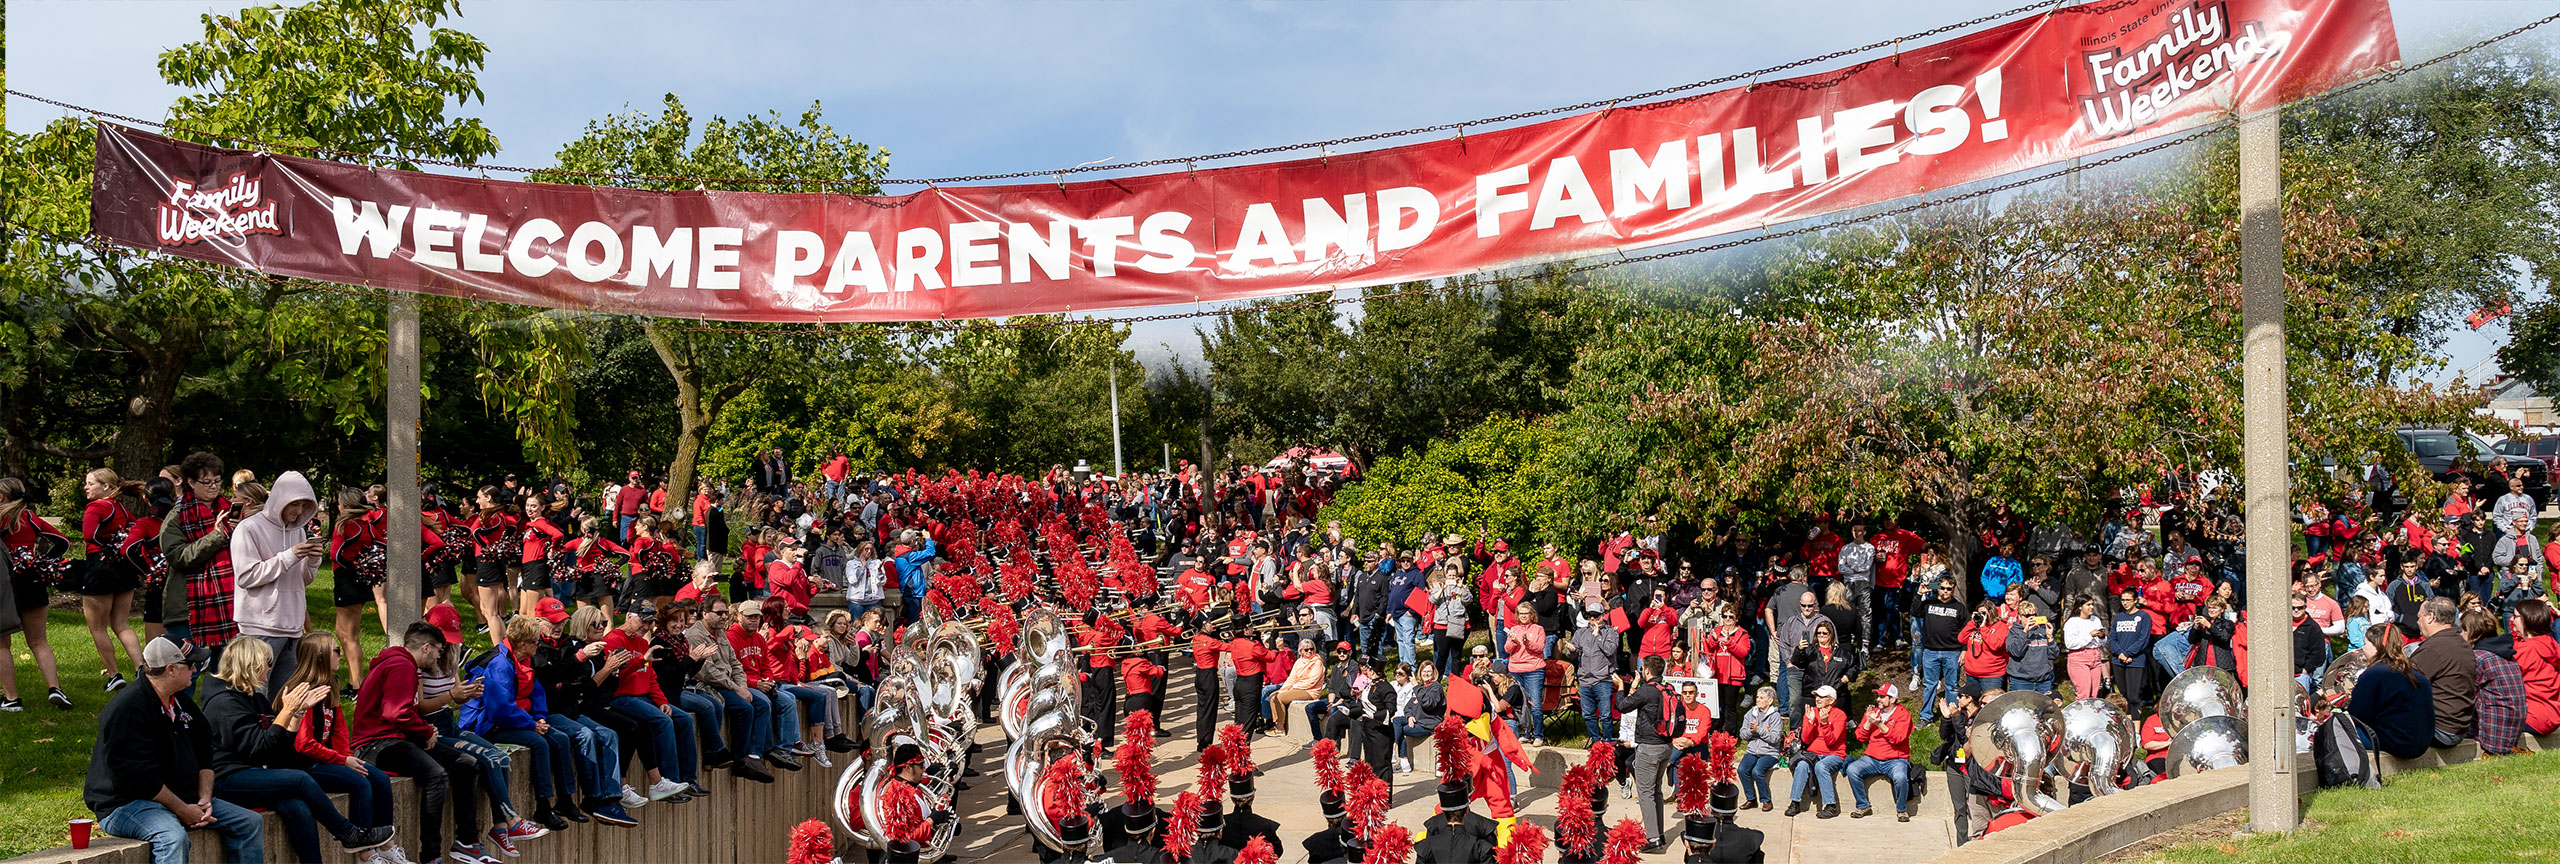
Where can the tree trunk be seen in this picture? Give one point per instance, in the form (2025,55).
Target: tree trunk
(1962,545)
(142,445)
(696,424)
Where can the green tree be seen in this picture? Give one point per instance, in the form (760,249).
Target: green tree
(1498,478)
(711,367)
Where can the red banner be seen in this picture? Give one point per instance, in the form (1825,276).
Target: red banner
(2033,92)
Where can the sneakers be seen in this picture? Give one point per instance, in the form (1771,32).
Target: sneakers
(664,789)
(840,744)
(1862,812)
(614,815)
(384,854)
(58,698)
(523,829)
(465,853)
(1795,807)
(632,799)
(12,704)
(1828,811)
(366,839)
(719,759)
(115,682)
(1902,815)
(1626,790)
(751,768)
(802,750)
(824,762)
(1404,766)
(782,759)
(696,790)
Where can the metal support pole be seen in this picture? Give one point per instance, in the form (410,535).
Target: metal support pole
(2273,803)
(403,569)
(1116,468)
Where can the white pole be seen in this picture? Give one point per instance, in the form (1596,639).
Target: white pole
(1115,420)
(403,569)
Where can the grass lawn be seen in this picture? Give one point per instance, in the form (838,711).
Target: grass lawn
(47,756)
(2494,809)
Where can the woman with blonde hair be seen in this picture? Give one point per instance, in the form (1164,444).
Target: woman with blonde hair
(252,749)
(108,581)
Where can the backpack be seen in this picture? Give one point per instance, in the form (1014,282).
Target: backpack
(2339,748)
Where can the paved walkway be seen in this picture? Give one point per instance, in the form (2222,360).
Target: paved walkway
(1287,794)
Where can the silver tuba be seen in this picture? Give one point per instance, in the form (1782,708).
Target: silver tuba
(2208,744)
(2018,734)
(2097,743)
(2198,693)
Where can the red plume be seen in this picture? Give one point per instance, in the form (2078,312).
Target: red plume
(1181,823)
(1328,762)
(1528,845)
(1720,758)
(1393,845)
(1457,754)
(1576,827)
(1258,851)
(812,843)
(1063,791)
(1135,760)
(1239,751)
(1626,841)
(1214,767)
(1003,627)
(1691,796)
(1603,760)
(1140,726)
(1366,804)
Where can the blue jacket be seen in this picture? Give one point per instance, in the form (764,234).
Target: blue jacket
(911,571)
(2129,633)
(1998,574)
(496,707)
(1406,581)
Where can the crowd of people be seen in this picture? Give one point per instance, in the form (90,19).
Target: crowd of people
(626,654)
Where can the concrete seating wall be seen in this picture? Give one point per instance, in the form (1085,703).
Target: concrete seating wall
(741,822)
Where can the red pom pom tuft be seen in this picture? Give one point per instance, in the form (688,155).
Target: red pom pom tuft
(1003,628)
(1576,828)
(1603,761)
(1239,750)
(1063,791)
(1393,845)
(1528,845)
(1215,765)
(1626,841)
(1135,762)
(1328,764)
(1258,851)
(1180,823)
(1457,753)
(1691,796)
(1366,804)
(1720,758)
(812,843)
(1140,726)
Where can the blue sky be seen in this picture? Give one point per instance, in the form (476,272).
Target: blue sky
(977,87)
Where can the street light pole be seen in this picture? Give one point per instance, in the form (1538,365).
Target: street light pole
(1115,421)
(403,571)
(2273,805)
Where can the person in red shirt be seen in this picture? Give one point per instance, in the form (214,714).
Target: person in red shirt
(1727,648)
(1654,626)
(1250,657)
(1986,648)
(107,586)
(541,535)
(785,579)
(626,507)
(2538,656)
(786,651)
(704,585)
(1145,683)
(1205,649)
(1886,729)
(1826,748)
(391,730)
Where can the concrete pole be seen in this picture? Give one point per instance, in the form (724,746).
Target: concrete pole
(1116,469)
(403,570)
(2273,805)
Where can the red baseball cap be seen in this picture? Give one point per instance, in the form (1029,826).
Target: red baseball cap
(446,619)
(1342,646)
(551,610)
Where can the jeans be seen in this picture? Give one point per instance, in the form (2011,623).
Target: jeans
(598,751)
(817,707)
(1813,765)
(444,775)
(855,608)
(2044,686)
(1529,717)
(785,717)
(1598,703)
(296,800)
(368,794)
(2171,653)
(1407,729)
(1789,678)
(1862,603)
(1889,603)
(1995,682)
(671,734)
(623,527)
(1938,679)
(1897,770)
(750,719)
(706,710)
(1755,776)
(1406,629)
(1759,659)
(701,541)
(553,761)
(494,776)
(151,823)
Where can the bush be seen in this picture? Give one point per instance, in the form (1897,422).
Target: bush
(1497,478)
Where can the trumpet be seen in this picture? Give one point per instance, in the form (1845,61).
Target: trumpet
(1123,650)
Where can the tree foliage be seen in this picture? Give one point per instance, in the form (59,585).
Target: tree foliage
(1499,477)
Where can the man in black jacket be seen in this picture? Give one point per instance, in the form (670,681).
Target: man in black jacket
(1457,835)
(1332,845)
(1369,605)
(152,744)
(1242,823)
(1652,708)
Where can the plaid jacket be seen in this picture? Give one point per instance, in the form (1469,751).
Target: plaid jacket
(2497,719)
(209,619)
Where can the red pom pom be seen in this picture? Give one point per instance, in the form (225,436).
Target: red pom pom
(1457,753)
(1328,763)
(1135,762)
(1366,804)
(1140,726)
(1239,750)
(1003,628)
(1575,825)
(1528,845)
(812,843)
(1626,841)
(1063,791)
(1215,765)
(1691,796)
(1181,823)
(1603,760)
(1720,758)
(1258,851)
(1393,845)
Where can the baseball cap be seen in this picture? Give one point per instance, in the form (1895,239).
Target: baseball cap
(1826,691)
(635,475)
(1890,692)
(444,618)
(750,610)
(164,652)
(1502,545)
(551,610)
(1342,646)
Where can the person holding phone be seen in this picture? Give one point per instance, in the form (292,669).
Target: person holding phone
(196,539)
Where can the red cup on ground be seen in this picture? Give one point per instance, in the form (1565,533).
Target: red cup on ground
(80,832)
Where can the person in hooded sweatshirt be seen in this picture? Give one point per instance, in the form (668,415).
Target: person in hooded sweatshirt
(275,556)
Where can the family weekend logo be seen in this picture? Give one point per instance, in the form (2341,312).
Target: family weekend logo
(230,210)
(2139,80)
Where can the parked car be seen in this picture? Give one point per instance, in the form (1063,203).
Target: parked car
(2447,454)
(2545,448)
